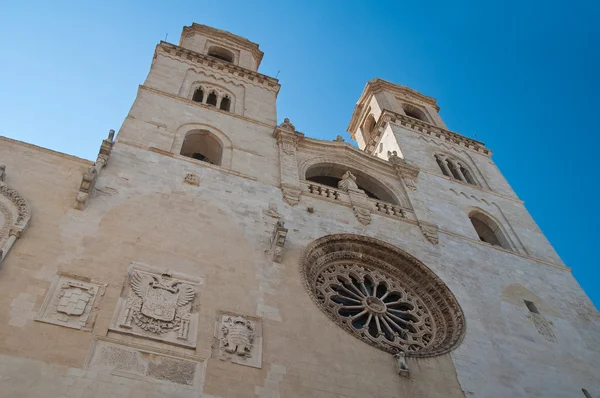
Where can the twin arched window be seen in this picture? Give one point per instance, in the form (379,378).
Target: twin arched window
(212,97)
(454,168)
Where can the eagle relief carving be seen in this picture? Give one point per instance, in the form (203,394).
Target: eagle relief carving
(158,306)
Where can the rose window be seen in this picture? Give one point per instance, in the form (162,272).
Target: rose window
(382,295)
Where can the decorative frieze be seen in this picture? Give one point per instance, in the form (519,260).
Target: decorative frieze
(149,365)
(239,339)
(89,177)
(70,302)
(158,305)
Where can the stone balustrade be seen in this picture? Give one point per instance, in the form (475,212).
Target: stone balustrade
(388,208)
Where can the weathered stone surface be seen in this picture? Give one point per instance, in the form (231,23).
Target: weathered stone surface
(141,210)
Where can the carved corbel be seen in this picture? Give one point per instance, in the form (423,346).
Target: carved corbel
(402,365)
(408,173)
(89,177)
(277,242)
(430,231)
(287,139)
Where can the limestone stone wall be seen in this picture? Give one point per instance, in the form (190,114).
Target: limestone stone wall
(143,211)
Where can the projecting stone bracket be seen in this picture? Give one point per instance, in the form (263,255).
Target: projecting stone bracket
(402,365)
(89,177)
(408,173)
(430,232)
(275,251)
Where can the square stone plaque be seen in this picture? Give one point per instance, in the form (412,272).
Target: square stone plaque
(70,301)
(159,305)
(238,339)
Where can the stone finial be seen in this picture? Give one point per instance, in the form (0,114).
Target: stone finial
(348,182)
(111,135)
(287,125)
(402,365)
(339,138)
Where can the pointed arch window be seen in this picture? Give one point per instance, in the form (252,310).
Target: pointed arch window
(488,230)
(198,95)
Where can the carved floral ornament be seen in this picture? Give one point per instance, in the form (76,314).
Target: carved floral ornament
(382,295)
(15,213)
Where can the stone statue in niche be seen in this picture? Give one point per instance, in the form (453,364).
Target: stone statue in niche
(160,305)
(348,182)
(238,336)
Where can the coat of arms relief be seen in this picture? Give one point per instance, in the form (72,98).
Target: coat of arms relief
(239,339)
(159,306)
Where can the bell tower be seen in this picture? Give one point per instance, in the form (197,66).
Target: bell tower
(205,100)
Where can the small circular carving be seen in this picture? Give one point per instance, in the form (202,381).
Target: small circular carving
(382,295)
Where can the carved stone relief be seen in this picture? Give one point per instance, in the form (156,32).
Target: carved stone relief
(192,179)
(272,211)
(140,363)
(158,305)
(291,195)
(275,251)
(239,339)
(70,302)
(543,327)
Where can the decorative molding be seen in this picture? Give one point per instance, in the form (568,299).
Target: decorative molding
(239,339)
(275,251)
(158,305)
(70,302)
(89,177)
(430,232)
(16,212)
(194,58)
(437,322)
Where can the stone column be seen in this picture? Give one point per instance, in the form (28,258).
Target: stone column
(287,139)
(444,162)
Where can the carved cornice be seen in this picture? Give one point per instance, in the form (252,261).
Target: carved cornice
(223,35)
(424,128)
(202,59)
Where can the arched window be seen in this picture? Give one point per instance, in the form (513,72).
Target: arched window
(202,145)
(221,53)
(455,168)
(198,95)
(330,174)
(368,127)
(212,99)
(488,230)
(225,103)
(414,112)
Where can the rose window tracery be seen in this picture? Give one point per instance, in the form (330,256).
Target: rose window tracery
(382,295)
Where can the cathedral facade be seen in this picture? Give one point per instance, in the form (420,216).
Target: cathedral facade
(210,251)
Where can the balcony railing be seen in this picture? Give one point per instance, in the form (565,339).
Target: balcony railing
(388,209)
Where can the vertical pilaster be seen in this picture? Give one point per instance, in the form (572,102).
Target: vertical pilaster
(287,139)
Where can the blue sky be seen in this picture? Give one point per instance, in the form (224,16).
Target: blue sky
(521,76)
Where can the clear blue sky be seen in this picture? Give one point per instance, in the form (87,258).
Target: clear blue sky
(521,76)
